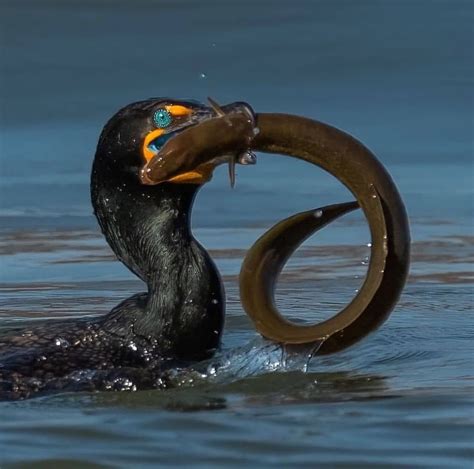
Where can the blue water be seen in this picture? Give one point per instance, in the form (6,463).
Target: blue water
(398,76)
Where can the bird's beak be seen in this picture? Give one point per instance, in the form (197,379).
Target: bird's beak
(190,156)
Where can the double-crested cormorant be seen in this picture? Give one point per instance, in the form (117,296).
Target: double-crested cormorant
(148,227)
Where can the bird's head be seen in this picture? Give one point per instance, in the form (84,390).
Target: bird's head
(135,134)
(133,137)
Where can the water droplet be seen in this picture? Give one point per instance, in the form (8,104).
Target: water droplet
(202,75)
(60,342)
(369,245)
(256,130)
(214,301)
(318,213)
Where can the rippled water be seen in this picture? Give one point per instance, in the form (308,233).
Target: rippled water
(398,75)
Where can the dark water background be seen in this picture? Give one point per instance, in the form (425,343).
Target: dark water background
(396,74)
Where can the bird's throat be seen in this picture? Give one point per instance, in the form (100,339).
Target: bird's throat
(149,230)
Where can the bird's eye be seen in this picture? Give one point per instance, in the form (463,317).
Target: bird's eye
(162,118)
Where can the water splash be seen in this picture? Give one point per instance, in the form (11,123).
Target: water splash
(259,356)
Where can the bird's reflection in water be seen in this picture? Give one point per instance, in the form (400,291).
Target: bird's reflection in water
(260,373)
(290,388)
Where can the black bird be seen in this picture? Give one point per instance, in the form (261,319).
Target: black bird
(180,318)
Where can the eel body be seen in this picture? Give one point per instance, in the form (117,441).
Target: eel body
(360,171)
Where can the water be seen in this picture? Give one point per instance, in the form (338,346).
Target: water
(398,75)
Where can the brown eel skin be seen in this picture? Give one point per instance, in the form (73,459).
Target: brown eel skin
(359,170)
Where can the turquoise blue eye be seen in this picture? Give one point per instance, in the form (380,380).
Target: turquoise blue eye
(162,118)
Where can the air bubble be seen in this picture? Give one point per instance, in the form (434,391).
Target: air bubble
(318,213)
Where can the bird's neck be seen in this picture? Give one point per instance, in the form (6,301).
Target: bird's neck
(148,228)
